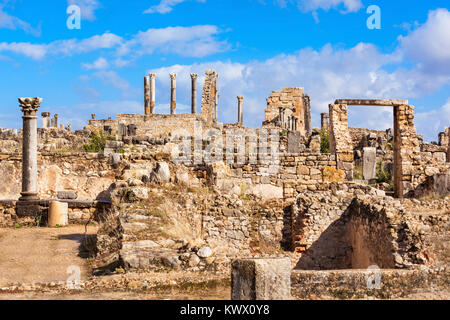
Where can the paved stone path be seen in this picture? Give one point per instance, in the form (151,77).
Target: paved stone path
(40,255)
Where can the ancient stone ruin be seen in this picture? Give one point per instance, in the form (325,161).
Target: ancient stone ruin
(287,207)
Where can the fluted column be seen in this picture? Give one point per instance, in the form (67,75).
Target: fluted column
(29,148)
(152,92)
(194,93)
(147,95)
(240,111)
(173,93)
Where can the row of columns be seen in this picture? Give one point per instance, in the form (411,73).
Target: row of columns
(150,93)
(292,121)
(48,122)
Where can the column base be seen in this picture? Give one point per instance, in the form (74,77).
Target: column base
(28,196)
(28,208)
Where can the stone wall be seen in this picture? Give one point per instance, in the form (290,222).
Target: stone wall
(353,284)
(297,104)
(355,226)
(88,175)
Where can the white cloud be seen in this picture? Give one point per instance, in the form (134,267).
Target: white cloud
(10,22)
(166,6)
(429,44)
(64,47)
(100,63)
(34,51)
(112,78)
(87,7)
(195,41)
(432,122)
(326,75)
(313,5)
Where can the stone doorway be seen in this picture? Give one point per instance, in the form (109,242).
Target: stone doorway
(406,142)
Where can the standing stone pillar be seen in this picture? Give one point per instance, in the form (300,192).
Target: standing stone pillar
(194,93)
(147,95)
(240,111)
(29,148)
(45,119)
(173,93)
(369,166)
(55,121)
(152,92)
(325,120)
(93,116)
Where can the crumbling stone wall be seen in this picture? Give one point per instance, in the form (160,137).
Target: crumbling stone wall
(210,98)
(340,139)
(295,102)
(355,226)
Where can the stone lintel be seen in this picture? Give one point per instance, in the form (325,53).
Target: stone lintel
(372,102)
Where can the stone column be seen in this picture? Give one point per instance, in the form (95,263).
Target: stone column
(45,119)
(194,93)
(295,124)
(93,116)
(325,120)
(29,148)
(447,130)
(147,95)
(55,121)
(152,92)
(173,93)
(240,111)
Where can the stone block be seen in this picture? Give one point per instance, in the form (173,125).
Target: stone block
(67,195)
(369,163)
(261,279)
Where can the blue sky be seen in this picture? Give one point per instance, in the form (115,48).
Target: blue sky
(256,46)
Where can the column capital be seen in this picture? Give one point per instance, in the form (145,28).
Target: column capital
(152,75)
(194,76)
(173,76)
(45,114)
(30,105)
(240,98)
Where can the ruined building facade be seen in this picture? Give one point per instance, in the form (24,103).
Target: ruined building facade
(289,109)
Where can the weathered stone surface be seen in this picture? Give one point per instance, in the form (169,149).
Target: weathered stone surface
(372,102)
(161,174)
(267,191)
(205,252)
(261,279)
(67,195)
(369,163)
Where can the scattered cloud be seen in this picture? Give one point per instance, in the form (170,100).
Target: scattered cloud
(87,7)
(429,44)
(100,63)
(195,41)
(326,74)
(166,6)
(313,5)
(10,22)
(432,122)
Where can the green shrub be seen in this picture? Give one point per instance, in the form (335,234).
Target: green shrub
(383,175)
(97,142)
(324,141)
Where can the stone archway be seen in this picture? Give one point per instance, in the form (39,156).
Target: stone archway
(406,142)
